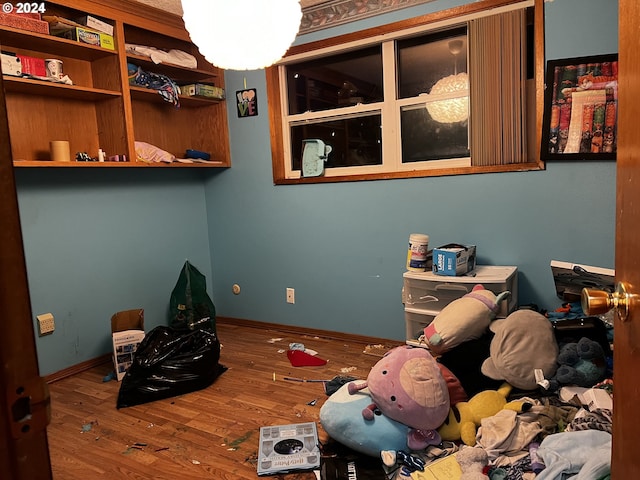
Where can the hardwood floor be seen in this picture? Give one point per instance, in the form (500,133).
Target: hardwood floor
(208,434)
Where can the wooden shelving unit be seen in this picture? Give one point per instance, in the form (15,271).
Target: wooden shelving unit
(102,110)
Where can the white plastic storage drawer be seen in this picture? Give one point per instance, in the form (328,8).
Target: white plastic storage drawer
(428,291)
(416,321)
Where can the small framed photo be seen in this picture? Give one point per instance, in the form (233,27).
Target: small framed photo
(580,108)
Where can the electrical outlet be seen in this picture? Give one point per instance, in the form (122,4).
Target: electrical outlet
(46,324)
(291,295)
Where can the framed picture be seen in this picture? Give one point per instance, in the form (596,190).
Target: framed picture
(580,108)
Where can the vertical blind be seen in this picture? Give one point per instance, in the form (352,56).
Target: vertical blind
(497,78)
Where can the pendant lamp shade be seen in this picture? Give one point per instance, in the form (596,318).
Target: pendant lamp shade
(242,34)
(450,110)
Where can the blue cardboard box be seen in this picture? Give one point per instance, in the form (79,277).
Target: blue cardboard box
(454,259)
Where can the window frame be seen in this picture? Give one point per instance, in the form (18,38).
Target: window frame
(448,17)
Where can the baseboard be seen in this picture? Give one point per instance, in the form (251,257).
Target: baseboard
(80,367)
(293,329)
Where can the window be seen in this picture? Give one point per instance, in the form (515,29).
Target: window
(453,92)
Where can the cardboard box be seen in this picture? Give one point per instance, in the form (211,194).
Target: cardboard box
(11,65)
(24,22)
(454,259)
(94,23)
(127,320)
(127,331)
(125,345)
(91,37)
(33,65)
(202,90)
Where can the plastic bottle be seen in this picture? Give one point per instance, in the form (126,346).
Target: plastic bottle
(417,253)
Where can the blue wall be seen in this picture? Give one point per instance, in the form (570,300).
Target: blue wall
(343,246)
(99,241)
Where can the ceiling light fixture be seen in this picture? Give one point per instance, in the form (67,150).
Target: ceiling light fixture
(242,34)
(453,93)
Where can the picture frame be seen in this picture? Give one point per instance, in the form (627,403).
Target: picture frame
(580,108)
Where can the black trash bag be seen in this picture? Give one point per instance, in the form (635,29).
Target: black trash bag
(190,306)
(169,362)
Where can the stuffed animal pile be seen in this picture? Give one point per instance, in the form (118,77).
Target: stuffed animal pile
(414,398)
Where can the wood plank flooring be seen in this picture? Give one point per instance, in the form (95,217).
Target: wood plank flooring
(208,434)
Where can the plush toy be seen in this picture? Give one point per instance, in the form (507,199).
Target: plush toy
(465,417)
(523,343)
(407,386)
(582,364)
(341,418)
(472,462)
(464,319)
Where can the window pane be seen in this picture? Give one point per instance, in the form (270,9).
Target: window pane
(425,139)
(335,81)
(354,141)
(424,60)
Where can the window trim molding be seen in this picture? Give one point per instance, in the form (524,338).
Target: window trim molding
(276,102)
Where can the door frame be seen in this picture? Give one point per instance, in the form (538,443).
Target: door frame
(24,396)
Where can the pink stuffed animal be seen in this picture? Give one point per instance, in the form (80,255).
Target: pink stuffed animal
(464,319)
(407,386)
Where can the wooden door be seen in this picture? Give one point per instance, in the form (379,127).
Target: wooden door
(626,363)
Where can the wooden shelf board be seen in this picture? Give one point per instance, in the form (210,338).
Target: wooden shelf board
(39,87)
(175,72)
(150,95)
(51,164)
(16,38)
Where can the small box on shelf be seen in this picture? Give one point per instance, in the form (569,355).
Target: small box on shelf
(24,22)
(32,65)
(11,65)
(90,37)
(94,23)
(202,90)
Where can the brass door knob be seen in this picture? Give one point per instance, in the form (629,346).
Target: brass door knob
(598,302)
